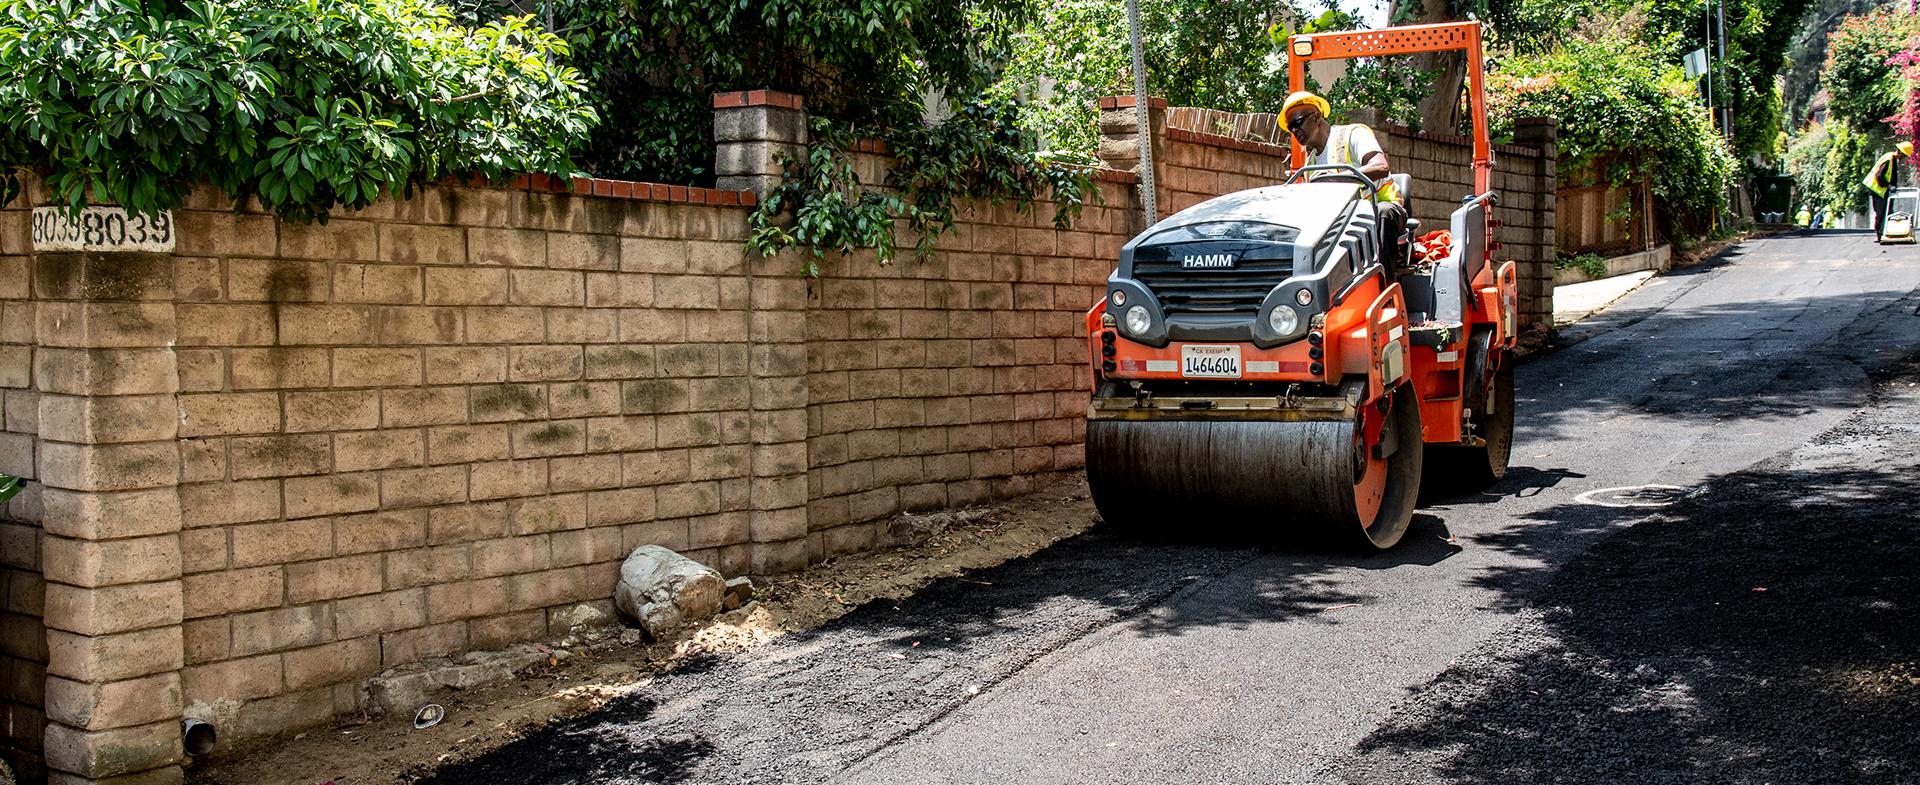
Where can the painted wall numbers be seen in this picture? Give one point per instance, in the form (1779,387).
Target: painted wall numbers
(101,229)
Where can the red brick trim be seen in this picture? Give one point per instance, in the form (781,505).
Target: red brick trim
(875,146)
(1127,102)
(1508,149)
(739,98)
(620,189)
(1216,140)
(1116,176)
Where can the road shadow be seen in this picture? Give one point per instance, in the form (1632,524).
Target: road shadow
(1761,630)
(606,746)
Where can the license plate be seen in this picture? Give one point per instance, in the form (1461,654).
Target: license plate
(1210,362)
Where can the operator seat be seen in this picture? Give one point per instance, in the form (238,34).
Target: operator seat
(1416,286)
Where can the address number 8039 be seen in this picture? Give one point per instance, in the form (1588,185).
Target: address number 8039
(101,229)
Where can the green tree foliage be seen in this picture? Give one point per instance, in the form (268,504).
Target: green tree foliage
(1806,161)
(1220,54)
(1863,89)
(1807,53)
(913,73)
(308,104)
(865,64)
(1869,85)
(1758,35)
(1624,115)
(1828,162)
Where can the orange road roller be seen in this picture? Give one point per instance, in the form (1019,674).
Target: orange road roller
(1253,362)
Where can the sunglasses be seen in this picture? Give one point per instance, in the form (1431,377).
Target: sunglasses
(1298,124)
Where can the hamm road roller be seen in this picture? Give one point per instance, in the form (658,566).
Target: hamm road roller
(1254,363)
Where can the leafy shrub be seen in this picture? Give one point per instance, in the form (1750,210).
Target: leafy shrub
(307,104)
(1590,264)
(831,210)
(1624,115)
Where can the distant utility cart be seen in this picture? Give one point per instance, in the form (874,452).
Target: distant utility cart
(1902,205)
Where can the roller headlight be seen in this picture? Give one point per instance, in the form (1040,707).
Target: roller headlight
(1283,320)
(1138,320)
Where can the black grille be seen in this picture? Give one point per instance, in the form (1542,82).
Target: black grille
(1235,291)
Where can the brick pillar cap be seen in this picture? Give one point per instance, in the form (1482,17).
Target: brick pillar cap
(1127,102)
(739,98)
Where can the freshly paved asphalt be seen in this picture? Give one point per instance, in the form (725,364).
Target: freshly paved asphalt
(1101,661)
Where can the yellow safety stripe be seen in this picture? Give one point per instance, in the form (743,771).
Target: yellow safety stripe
(1343,153)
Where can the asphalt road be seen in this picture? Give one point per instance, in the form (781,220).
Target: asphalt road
(1104,661)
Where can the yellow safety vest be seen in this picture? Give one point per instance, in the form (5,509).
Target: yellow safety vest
(1880,177)
(1342,142)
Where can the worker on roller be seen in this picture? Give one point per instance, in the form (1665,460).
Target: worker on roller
(1884,175)
(1352,144)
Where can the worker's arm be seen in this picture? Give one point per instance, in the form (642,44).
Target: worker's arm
(1375,166)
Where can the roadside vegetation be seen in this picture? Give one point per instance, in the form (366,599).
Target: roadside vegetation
(315,106)
(1624,115)
(1868,98)
(308,106)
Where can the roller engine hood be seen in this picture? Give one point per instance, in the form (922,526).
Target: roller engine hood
(1215,271)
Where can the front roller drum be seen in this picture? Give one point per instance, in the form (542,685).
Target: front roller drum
(1356,479)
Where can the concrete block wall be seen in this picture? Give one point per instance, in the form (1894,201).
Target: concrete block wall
(953,380)
(23,637)
(438,425)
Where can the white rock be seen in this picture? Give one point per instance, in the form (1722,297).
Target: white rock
(404,689)
(663,590)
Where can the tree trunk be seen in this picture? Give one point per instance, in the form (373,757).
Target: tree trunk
(1440,110)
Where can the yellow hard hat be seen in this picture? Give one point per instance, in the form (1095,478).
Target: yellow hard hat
(1906,148)
(1300,97)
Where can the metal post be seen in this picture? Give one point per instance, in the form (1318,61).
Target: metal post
(1705,41)
(1141,114)
(1726,110)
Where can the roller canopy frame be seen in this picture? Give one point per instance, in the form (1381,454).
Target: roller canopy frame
(1411,39)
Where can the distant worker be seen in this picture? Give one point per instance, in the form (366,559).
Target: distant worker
(1884,176)
(1804,218)
(1352,144)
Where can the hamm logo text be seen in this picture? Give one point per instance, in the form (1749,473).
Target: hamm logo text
(1207,261)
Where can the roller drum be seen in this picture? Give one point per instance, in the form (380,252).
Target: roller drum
(1256,473)
(1284,478)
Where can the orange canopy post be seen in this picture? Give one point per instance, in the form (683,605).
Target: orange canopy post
(1411,39)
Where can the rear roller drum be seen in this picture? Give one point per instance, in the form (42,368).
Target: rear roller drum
(1355,479)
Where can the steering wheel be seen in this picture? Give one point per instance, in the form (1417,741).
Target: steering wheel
(1337,172)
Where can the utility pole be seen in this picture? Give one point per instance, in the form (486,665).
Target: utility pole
(1141,114)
